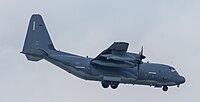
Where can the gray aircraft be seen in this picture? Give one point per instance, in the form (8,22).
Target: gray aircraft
(111,67)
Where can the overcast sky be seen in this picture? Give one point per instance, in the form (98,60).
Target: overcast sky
(168,30)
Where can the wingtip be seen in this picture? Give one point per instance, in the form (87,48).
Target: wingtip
(34,15)
(118,42)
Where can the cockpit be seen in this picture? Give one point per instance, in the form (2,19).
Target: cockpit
(173,71)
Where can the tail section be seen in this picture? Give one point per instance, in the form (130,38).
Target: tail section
(37,42)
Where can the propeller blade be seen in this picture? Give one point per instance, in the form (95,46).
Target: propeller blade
(141,51)
(141,54)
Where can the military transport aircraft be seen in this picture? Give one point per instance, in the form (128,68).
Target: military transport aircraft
(111,67)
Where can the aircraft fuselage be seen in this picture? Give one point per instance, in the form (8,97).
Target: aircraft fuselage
(111,67)
(157,75)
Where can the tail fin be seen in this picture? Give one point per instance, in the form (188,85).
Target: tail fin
(37,42)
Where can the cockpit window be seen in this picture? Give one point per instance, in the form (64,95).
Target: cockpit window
(172,69)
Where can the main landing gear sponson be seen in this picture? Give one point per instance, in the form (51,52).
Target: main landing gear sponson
(113,85)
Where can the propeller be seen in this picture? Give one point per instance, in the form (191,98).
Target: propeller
(141,56)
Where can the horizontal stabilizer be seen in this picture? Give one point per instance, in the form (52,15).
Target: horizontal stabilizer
(33,58)
(35,54)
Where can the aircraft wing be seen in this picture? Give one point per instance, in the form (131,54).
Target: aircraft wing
(115,56)
(119,46)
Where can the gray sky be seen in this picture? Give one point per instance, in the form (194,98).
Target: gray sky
(168,30)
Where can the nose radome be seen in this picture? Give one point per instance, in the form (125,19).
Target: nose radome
(182,79)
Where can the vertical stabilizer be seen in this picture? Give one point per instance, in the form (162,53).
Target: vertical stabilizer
(37,42)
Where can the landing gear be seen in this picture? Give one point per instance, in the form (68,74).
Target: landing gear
(165,88)
(113,85)
(105,84)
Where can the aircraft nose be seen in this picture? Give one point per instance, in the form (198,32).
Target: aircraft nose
(181,79)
